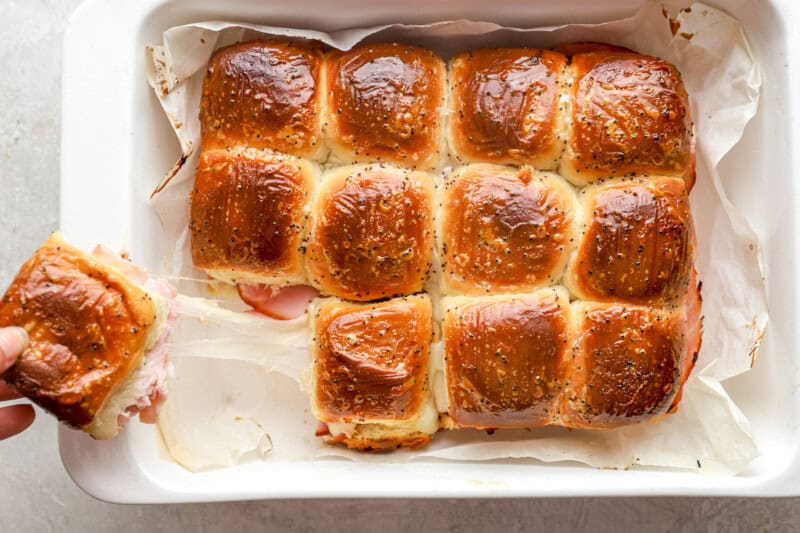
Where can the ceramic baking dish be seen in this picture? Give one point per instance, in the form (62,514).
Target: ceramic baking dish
(116,145)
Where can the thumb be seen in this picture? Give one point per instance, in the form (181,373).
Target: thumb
(13,341)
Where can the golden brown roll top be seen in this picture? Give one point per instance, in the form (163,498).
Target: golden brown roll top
(503,229)
(370,371)
(506,106)
(371,232)
(266,95)
(627,366)
(531,360)
(611,111)
(248,210)
(630,115)
(505,358)
(637,242)
(88,326)
(385,102)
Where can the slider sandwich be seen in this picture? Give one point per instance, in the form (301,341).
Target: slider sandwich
(98,328)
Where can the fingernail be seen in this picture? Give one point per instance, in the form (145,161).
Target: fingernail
(12,341)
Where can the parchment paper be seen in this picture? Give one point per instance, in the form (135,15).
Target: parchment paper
(220,411)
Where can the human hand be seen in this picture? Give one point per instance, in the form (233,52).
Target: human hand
(15,418)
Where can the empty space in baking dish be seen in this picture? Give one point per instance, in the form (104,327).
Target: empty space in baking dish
(117,143)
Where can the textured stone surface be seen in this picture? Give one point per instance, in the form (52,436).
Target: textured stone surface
(37,495)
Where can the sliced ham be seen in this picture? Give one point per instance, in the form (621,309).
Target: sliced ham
(282,303)
(144,391)
(151,379)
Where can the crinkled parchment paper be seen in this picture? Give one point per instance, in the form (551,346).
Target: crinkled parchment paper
(220,411)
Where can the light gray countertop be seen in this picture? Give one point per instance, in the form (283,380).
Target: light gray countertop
(37,495)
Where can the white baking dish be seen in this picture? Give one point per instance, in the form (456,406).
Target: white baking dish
(116,144)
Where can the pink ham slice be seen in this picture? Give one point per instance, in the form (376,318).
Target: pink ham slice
(157,370)
(149,415)
(282,303)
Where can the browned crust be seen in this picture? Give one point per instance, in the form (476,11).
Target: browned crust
(385,103)
(247,215)
(88,327)
(694,332)
(504,229)
(264,94)
(637,246)
(413,440)
(505,106)
(371,361)
(371,234)
(627,367)
(690,174)
(505,359)
(630,114)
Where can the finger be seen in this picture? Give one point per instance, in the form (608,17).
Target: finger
(15,419)
(7,393)
(13,341)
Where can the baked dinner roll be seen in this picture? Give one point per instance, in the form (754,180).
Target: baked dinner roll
(264,94)
(98,329)
(627,367)
(505,358)
(508,105)
(629,115)
(637,242)
(385,102)
(370,372)
(503,229)
(371,232)
(248,209)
